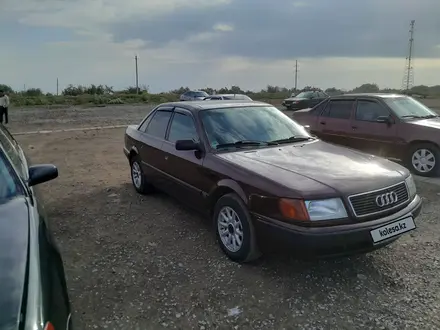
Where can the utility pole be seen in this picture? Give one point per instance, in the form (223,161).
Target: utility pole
(57,86)
(296,74)
(137,74)
(408,77)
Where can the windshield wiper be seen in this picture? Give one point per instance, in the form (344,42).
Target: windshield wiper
(420,117)
(429,116)
(410,116)
(244,143)
(293,139)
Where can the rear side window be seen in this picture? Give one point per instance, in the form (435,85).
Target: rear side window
(159,123)
(340,109)
(370,110)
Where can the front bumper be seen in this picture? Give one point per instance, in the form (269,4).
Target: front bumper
(328,241)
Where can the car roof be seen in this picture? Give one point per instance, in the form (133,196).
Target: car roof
(195,106)
(373,95)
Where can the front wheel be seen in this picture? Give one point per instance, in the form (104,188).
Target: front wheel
(424,159)
(234,229)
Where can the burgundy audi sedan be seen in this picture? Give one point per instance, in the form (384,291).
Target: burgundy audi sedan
(259,176)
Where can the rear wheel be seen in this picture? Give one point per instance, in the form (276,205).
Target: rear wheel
(424,159)
(138,178)
(234,229)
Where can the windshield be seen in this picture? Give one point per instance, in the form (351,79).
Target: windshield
(407,107)
(9,187)
(304,94)
(265,124)
(201,94)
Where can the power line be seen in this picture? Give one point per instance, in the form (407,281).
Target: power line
(408,76)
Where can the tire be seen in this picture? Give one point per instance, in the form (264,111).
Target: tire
(232,204)
(138,179)
(431,151)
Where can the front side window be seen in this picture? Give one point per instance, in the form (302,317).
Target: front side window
(13,153)
(159,123)
(182,128)
(407,107)
(253,123)
(370,111)
(9,184)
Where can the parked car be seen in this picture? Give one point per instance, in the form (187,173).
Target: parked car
(228,97)
(193,96)
(33,291)
(259,176)
(389,125)
(304,100)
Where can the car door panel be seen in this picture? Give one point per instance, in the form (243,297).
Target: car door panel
(333,124)
(371,136)
(150,147)
(184,167)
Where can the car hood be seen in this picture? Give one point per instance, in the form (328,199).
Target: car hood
(431,123)
(314,167)
(14,231)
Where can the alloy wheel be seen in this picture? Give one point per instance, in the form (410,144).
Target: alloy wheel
(230,229)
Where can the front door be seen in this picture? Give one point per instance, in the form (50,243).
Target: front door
(184,168)
(371,135)
(334,122)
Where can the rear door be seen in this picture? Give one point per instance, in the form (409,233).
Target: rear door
(368,134)
(150,147)
(184,168)
(334,122)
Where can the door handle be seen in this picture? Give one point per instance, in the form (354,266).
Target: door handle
(354,127)
(322,122)
(166,157)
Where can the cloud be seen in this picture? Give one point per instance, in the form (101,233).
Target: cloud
(198,43)
(284,29)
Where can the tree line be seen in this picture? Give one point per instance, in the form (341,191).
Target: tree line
(71,90)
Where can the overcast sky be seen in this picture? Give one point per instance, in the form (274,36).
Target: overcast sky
(216,43)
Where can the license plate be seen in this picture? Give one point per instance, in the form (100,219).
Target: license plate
(393,229)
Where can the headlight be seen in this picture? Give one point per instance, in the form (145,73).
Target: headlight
(325,209)
(412,190)
(312,210)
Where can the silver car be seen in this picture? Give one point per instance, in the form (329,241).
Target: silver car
(228,97)
(193,96)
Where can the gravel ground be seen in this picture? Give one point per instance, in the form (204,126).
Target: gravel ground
(138,262)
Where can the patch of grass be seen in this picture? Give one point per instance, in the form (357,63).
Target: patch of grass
(121,98)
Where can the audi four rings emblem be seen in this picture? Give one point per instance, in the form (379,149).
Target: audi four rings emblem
(386,199)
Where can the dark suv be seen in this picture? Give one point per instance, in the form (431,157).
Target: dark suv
(304,100)
(390,125)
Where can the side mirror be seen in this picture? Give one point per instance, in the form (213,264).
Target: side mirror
(384,119)
(307,128)
(42,173)
(187,145)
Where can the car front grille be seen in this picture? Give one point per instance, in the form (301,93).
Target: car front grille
(378,201)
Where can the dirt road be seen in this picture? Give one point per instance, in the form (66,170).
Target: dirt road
(137,262)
